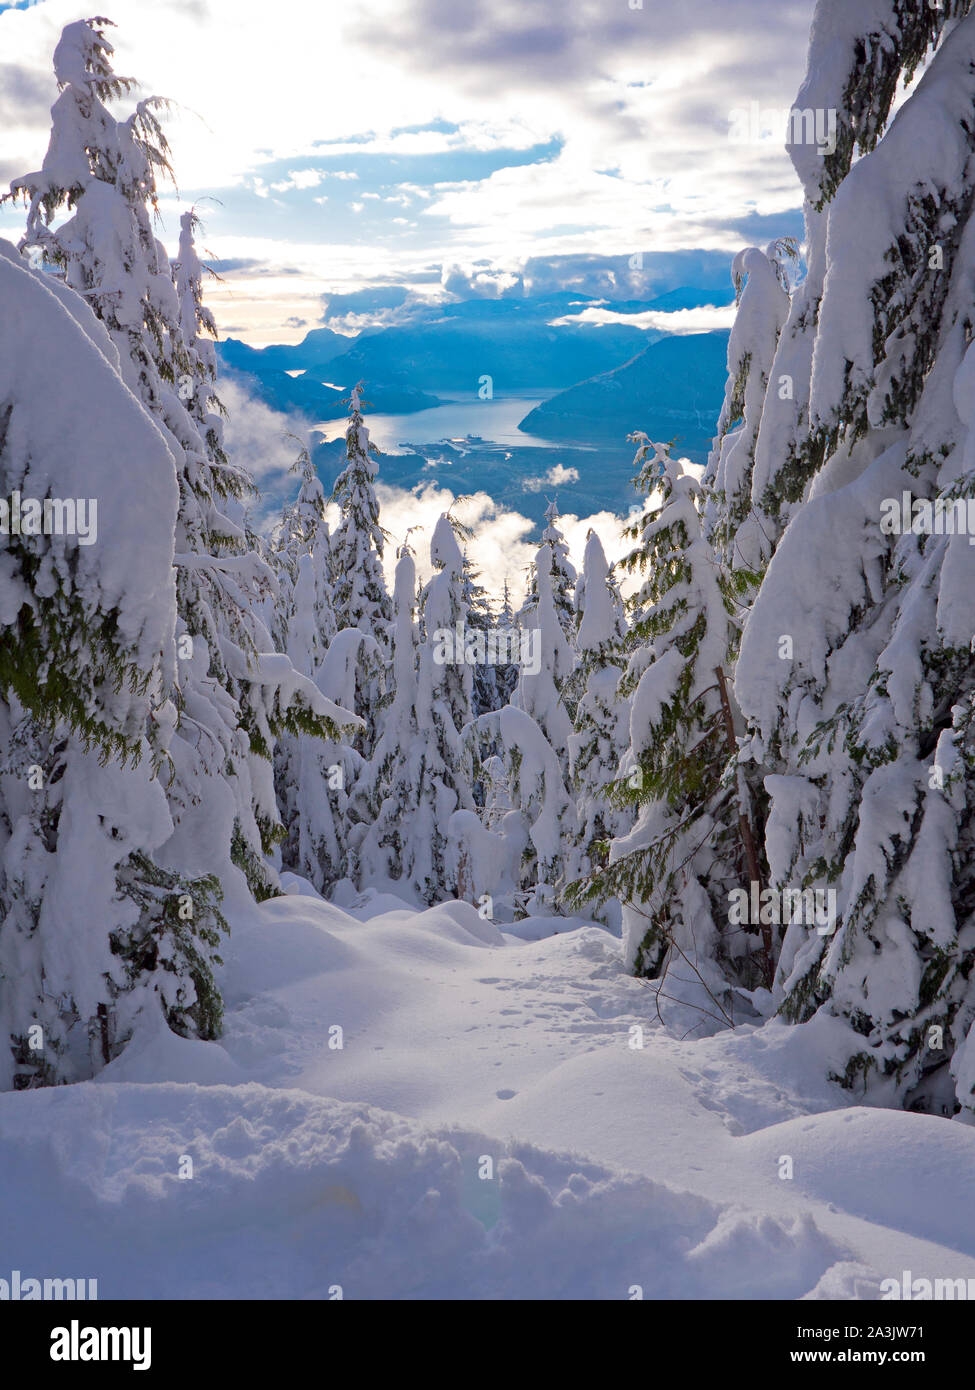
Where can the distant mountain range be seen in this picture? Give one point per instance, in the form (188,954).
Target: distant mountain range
(316,349)
(609,378)
(308,395)
(316,393)
(510,341)
(672,389)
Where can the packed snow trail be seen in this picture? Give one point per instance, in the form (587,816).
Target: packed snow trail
(362,1166)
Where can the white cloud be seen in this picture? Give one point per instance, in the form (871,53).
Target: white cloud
(705,319)
(555,477)
(504,543)
(257,437)
(482,282)
(299,178)
(634,104)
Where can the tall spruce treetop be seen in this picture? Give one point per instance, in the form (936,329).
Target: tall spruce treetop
(602,624)
(505,677)
(763,305)
(303,554)
(360,596)
(506,616)
(104,171)
(443,605)
(563,577)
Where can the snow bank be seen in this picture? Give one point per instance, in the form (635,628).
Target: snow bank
(292,1195)
(303,1178)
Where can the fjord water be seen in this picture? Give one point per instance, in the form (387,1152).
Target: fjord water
(495,421)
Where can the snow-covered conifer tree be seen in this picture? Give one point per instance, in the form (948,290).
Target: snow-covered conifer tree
(506,673)
(675,870)
(419,774)
(314,776)
(601,734)
(359,590)
(547,661)
(855,671)
(447,631)
(539,831)
(487,694)
(562,581)
(763,305)
(302,554)
(232,693)
(92,928)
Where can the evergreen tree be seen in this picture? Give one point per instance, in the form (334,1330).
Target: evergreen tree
(92,929)
(445,690)
(506,673)
(230,696)
(860,53)
(314,776)
(856,664)
(540,829)
(419,774)
(447,631)
(234,696)
(551,661)
(562,577)
(601,734)
(360,597)
(675,870)
(304,532)
(524,746)
(763,304)
(487,694)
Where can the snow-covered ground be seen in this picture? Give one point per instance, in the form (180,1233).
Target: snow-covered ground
(485,1130)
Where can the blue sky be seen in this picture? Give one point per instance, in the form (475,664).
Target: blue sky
(489,147)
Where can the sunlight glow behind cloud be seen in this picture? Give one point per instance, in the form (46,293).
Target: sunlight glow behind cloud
(290,118)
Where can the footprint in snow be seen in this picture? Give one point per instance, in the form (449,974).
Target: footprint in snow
(505,1095)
